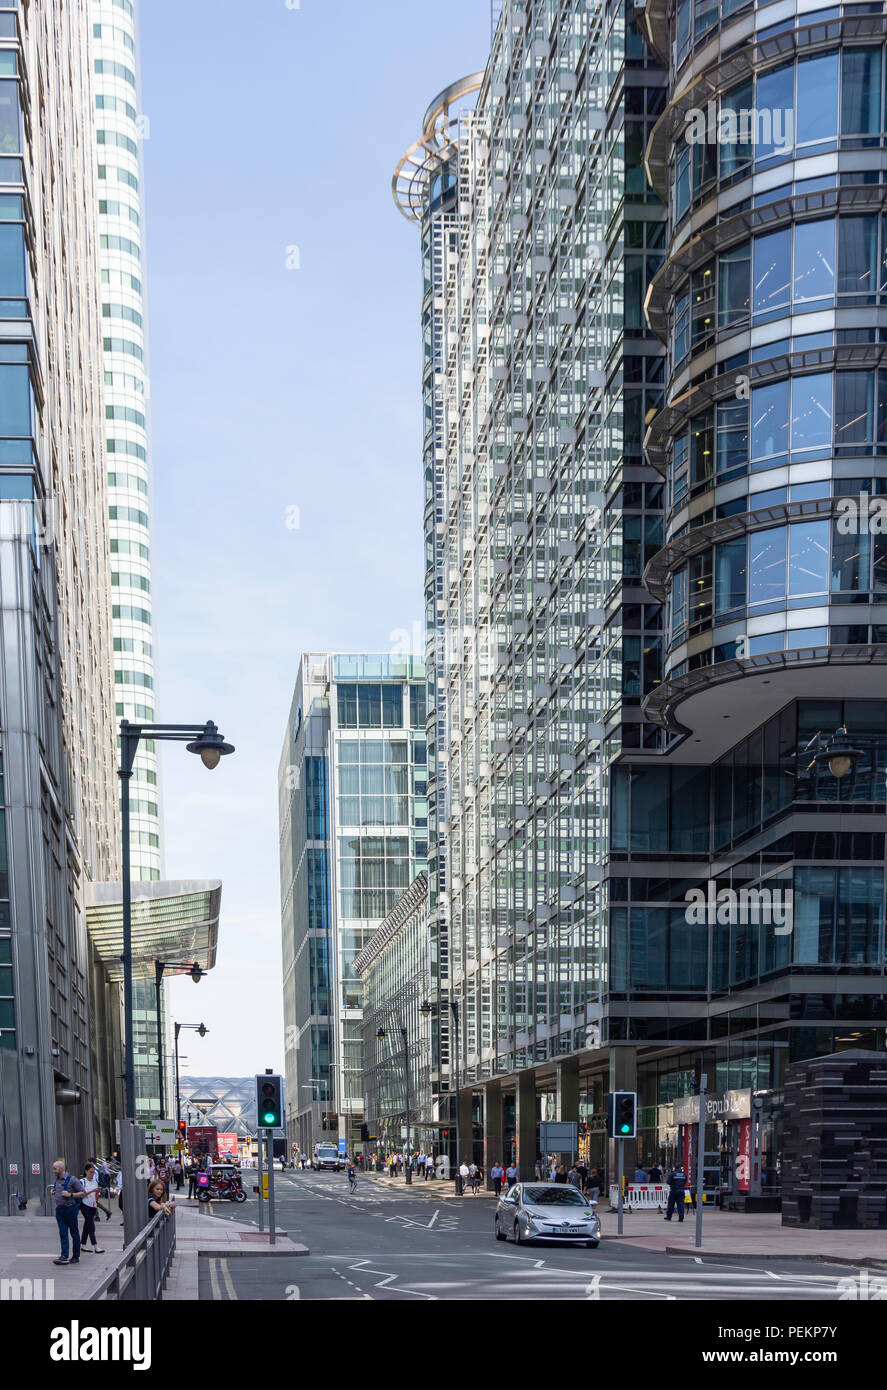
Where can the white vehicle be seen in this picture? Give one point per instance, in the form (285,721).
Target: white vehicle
(326,1155)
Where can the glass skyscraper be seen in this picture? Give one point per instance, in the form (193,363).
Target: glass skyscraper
(652,411)
(120,128)
(354,835)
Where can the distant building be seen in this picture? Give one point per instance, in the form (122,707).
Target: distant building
(353,836)
(233,1108)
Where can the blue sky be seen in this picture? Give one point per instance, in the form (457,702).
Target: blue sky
(274,128)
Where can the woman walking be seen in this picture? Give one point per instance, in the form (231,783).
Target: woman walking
(89,1205)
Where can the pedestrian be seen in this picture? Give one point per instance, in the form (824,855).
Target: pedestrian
(429,1166)
(655,1174)
(574,1178)
(595,1183)
(464,1172)
(677,1187)
(560,1173)
(67,1191)
(497,1173)
(89,1207)
(193,1174)
(158,1200)
(540,1170)
(178,1174)
(582,1170)
(303,1161)
(474,1176)
(118,1189)
(640,1174)
(511,1175)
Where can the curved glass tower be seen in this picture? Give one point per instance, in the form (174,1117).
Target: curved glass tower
(118,133)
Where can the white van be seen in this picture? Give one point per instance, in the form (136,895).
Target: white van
(326,1155)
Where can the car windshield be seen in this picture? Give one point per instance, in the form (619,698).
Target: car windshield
(554,1196)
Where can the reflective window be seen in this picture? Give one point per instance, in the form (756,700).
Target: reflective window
(771,279)
(766,566)
(817,103)
(774,106)
(861,91)
(769,420)
(734,286)
(857,255)
(808,559)
(811,426)
(814,267)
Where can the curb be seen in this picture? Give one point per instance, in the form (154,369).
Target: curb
(211,1252)
(865,1261)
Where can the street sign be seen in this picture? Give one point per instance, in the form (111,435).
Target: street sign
(343,1146)
(558,1137)
(159,1132)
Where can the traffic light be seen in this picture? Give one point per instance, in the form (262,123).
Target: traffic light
(623,1114)
(269,1101)
(182,1131)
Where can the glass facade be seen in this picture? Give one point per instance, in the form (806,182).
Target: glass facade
(354,827)
(653,398)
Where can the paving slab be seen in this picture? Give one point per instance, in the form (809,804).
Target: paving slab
(743,1235)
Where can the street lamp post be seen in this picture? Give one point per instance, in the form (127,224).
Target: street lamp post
(203,739)
(197,975)
(202,1029)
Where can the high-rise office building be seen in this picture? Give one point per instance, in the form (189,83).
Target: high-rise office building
(60,821)
(119,129)
(538,237)
(353,837)
(648,600)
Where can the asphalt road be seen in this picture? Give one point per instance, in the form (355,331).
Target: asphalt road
(381,1245)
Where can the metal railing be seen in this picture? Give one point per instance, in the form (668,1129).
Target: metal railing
(144,1265)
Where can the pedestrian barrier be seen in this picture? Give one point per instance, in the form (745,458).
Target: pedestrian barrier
(640,1195)
(143,1267)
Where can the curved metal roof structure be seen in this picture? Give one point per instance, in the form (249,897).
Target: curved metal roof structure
(177,920)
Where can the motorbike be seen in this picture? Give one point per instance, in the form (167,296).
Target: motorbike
(221,1189)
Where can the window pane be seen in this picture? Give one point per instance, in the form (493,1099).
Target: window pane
(772,271)
(817,99)
(369,706)
(775,107)
(861,91)
(734,286)
(15,400)
(808,559)
(769,413)
(10,141)
(766,566)
(850,560)
(736,150)
(346,696)
(814,272)
(730,574)
(392,706)
(854,407)
(732,436)
(812,411)
(857,255)
(12,260)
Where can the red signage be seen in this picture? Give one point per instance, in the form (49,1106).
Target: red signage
(203,1139)
(743,1156)
(227,1144)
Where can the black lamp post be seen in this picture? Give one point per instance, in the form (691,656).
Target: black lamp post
(202,1029)
(203,739)
(194,970)
(408,1166)
(426,1009)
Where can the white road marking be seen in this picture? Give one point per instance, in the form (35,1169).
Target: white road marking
(363,1267)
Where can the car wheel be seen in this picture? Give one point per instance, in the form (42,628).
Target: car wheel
(517,1234)
(499,1235)
(592,1244)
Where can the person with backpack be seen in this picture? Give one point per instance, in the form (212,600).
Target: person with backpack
(677,1187)
(67,1191)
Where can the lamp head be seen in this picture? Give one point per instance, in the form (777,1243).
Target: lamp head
(203,1030)
(196,973)
(210,746)
(381,1033)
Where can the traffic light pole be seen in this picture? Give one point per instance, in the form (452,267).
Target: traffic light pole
(620,1179)
(261,1133)
(700,1160)
(271,1224)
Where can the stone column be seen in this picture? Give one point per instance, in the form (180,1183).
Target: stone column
(525,1124)
(568,1098)
(623,1077)
(466,1140)
(493,1127)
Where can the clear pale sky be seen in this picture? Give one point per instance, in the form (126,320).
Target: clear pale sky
(273,128)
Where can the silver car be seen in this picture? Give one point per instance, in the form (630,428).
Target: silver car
(547,1211)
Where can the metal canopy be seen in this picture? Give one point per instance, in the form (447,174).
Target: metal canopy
(176,920)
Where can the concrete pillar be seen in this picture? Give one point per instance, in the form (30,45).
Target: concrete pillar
(493,1126)
(567,1098)
(525,1124)
(465,1128)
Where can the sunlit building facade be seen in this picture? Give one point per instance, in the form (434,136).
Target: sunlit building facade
(354,835)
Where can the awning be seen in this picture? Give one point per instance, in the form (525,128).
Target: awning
(171,921)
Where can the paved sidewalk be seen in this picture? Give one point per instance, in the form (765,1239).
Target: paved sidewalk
(200,1234)
(29,1243)
(743,1235)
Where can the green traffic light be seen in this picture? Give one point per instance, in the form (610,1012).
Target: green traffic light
(626,1129)
(269,1118)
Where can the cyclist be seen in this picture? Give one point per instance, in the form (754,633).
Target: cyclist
(352,1176)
